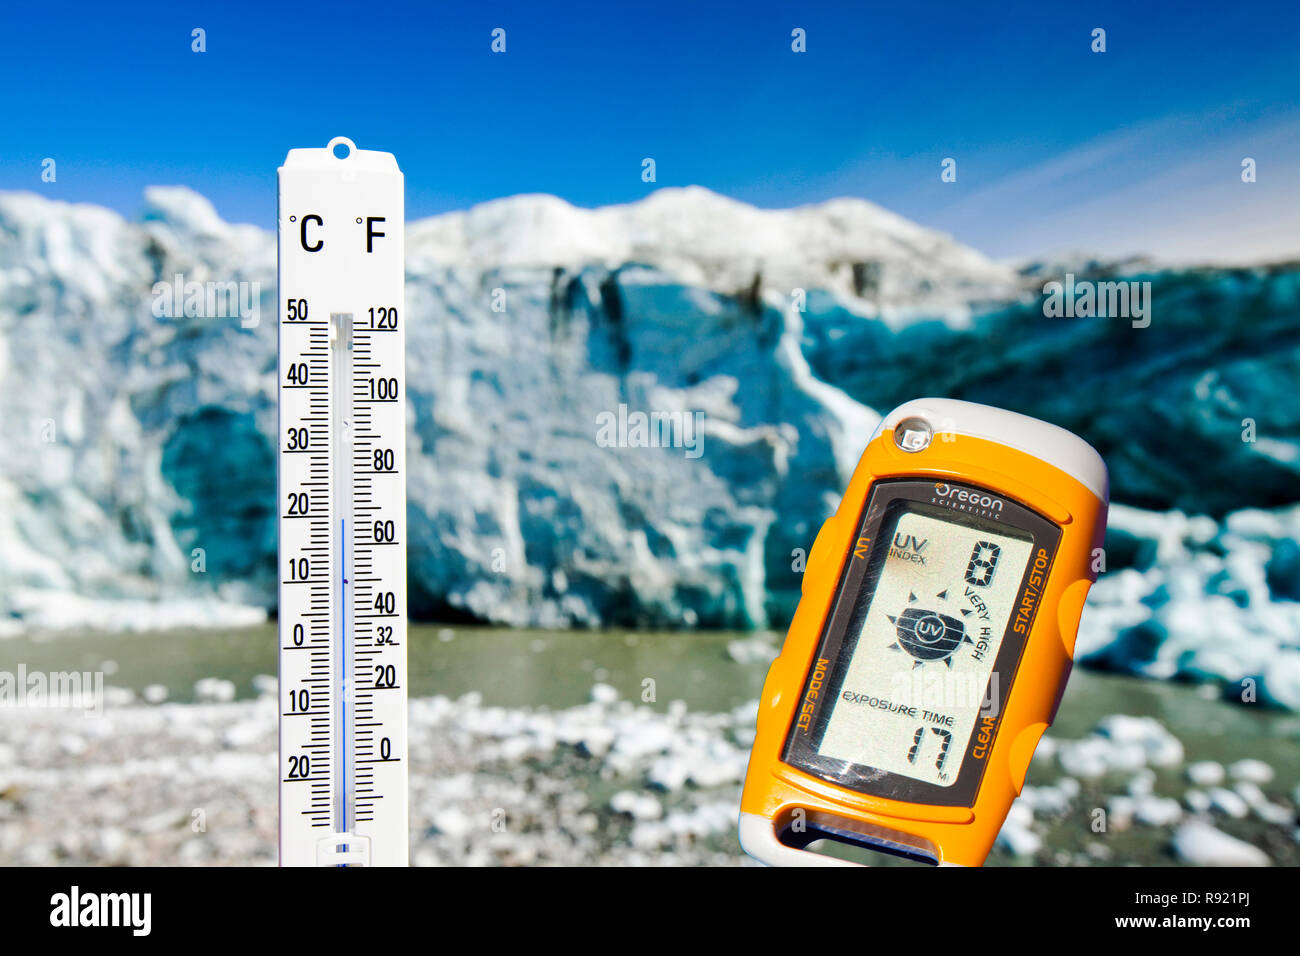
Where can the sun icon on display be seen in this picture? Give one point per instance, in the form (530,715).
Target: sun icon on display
(929,635)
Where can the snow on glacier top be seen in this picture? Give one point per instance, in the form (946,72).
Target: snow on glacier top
(707,239)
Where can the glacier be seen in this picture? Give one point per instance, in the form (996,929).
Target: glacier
(138,469)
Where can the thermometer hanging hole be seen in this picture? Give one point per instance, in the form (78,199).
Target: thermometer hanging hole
(341,147)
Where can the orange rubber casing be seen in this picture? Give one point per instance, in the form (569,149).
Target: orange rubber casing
(775,790)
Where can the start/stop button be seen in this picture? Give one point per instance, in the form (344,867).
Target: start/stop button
(912,434)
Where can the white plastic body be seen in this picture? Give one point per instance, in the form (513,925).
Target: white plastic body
(342,607)
(1060,448)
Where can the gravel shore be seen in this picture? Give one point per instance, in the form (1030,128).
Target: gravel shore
(607,782)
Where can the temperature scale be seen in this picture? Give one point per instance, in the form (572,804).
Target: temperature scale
(342,509)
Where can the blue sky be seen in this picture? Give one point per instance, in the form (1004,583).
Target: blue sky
(1057,147)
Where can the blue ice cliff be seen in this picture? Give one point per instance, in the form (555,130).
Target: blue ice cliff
(137,473)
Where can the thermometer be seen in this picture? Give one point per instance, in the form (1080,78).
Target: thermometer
(342,509)
(932,642)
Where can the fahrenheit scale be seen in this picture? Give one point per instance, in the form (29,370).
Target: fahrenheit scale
(342,509)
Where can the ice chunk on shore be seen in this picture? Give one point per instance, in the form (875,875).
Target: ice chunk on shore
(1226,801)
(1158,811)
(1016,835)
(1200,843)
(214,690)
(1205,773)
(639,806)
(1160,748)
(1251,770)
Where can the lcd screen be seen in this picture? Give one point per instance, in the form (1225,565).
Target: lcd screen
(920,663)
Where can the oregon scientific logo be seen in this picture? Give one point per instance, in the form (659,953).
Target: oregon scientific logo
(963,499)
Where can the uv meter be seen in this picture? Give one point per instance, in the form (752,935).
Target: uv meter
(932,641)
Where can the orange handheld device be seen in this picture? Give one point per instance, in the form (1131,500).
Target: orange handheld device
(933,640)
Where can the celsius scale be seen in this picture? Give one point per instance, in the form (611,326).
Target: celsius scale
(342,509)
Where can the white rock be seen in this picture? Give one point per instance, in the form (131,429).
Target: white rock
(154,693)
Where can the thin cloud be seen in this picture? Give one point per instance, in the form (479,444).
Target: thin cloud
(1163,189)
